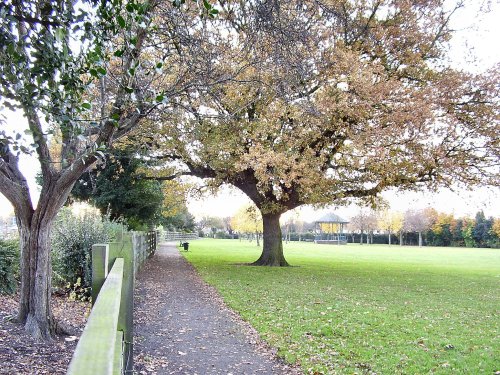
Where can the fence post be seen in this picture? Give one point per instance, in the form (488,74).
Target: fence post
(125,250)
(157,235)
(100,267)
(134,248)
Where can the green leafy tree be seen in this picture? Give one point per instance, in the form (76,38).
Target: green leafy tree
(180,220)
(495,232)
(482,230)
(114,187)
(467,232)
(78,72)
(441,229)
(457,233)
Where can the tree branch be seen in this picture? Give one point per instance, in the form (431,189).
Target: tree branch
(14,186)
(39,139)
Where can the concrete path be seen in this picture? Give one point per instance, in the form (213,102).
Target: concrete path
(183,327)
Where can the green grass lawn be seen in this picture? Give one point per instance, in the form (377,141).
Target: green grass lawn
(366,308)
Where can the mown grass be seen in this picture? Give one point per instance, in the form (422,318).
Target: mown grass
(366,309)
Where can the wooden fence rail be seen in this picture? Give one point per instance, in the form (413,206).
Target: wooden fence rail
(178,236)
(144,245)
(96,350)
(106,344)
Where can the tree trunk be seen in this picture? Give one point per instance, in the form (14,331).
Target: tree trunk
(36,272)
(361,238)
(420,239)
(257,236)
(34,303)
(390,234)
(272,252)
(35,311)
(400,238)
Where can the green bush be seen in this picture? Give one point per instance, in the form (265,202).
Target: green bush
(9,265)
(223,235)
(72,239)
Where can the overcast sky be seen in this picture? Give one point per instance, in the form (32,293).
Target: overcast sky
(477,35)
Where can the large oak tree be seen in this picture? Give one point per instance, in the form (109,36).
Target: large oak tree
(334,100)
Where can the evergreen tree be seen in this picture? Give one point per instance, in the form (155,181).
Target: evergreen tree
(481,231)
(116,189)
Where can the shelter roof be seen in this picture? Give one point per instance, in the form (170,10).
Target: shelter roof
(331,218)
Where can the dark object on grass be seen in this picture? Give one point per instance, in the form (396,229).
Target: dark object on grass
(185,245)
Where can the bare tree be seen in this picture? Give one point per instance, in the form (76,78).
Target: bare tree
(417,221)
(360,223)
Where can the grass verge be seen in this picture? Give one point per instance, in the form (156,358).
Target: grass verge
(366,309)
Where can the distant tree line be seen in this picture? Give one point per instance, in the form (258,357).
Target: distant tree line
(425,227)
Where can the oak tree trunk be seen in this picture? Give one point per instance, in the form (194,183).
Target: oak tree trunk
(272,252)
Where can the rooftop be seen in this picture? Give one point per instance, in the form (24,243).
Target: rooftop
(331,218)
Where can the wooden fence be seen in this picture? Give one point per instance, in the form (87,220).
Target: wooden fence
(106,344)
(178,236)
(144,245)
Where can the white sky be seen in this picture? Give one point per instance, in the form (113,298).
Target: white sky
(462,203)
(477,36)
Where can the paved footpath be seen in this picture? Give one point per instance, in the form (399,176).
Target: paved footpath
(183,327)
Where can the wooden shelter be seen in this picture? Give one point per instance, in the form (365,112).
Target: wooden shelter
(329,229)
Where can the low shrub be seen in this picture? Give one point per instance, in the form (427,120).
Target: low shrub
(224,235)
(9,265)
(72,239)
